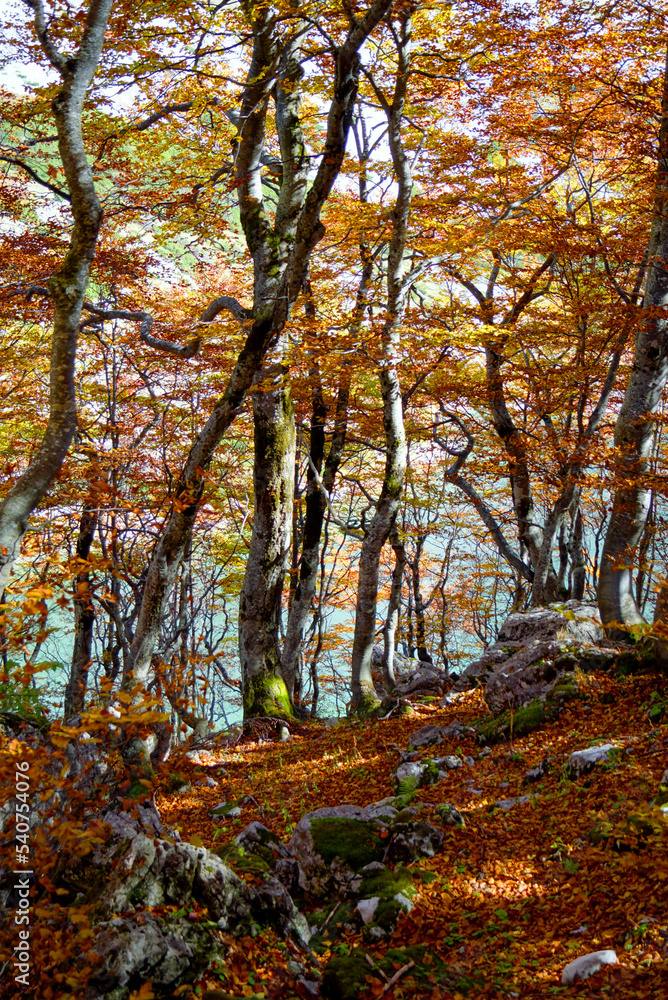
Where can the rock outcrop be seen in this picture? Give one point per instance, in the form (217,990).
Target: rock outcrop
(414,678)
(533,664)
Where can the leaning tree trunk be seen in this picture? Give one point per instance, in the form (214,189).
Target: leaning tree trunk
(363,691)
(264,690)
(67,286)
(635,424)
(280,257)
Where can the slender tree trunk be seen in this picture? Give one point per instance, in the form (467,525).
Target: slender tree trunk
(578,559)
(84,618)
(393,611)
(635,424)
(316,506)
(68,285)
(309,562)
(362,686)
(264,690)
(420,626)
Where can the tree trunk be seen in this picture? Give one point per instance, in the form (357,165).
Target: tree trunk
(578,559)
(363,691)
(420,627)
(84,618)
(309,562)
(264,690)
(635,424)
(393,611)
(67,286)
(315,491)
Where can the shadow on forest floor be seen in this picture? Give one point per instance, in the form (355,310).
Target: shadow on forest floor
(517,894)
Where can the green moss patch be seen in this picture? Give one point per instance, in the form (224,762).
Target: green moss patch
(532,716)
(242,862)
(266,695)
(345,977)
(352,841)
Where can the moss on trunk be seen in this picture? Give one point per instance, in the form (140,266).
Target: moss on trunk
(267,695)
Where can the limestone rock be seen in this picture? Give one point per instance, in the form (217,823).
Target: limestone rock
(507,804)
(583,761)
(413,677)
(334,844)
(587,965)
(367,908)
(426,736)
(449,815)
(571,620)
(536,654)
(414,840)
(539,771)
(415,774)
(168,951)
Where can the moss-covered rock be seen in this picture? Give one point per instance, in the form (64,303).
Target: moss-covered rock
(532,716)
(332,845)
(352,841)
(449,815)
(396,891)
(345,976)
(242,863)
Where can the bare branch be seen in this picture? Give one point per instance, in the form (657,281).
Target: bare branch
(35,176)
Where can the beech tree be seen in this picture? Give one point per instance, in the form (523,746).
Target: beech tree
(635,423)
(390,229)
(67,286)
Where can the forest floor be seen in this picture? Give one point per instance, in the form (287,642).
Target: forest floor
(518,894)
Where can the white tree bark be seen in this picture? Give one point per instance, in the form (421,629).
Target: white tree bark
(363,691)
(635,423)
(68,286)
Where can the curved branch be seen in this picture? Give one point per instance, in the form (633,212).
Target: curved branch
(488,519)
(146,323)
(35,176)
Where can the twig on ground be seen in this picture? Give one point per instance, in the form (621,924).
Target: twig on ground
(397,976)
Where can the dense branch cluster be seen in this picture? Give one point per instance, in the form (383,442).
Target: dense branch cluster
(325,328)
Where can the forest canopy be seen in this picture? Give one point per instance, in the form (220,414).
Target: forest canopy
(326,328)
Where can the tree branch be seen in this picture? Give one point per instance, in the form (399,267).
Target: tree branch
(35,176)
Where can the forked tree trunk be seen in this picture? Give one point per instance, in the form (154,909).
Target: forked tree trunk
(363,691)
(635,424)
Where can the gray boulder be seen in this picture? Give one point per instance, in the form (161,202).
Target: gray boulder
(535,656)
(583,761)
(413,677)
(430,735)
(131,950)
(334,844)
